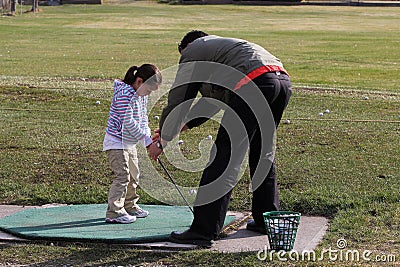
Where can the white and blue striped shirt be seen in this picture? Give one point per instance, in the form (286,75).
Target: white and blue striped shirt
(127,123)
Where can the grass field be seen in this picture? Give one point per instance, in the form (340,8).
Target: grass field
(54,66)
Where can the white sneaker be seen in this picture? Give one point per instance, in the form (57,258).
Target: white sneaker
(139,213)
(122,219)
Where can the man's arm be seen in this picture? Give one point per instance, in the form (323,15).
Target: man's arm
(201,112)
(179,101)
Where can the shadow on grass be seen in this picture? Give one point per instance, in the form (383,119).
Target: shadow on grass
(102,255)
(78,254)
(318,206)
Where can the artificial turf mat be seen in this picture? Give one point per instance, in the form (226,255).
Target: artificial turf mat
(87,223)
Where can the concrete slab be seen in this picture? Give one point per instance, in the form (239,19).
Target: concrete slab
(310,233)
(164,246)
(6,210)
(238,239)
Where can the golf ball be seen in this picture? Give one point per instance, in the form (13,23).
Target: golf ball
(366,98)
(209,137)
(180,142)
(320,114)
(156,117)
(97,102)
(192,191)
(327,111)
(286,122)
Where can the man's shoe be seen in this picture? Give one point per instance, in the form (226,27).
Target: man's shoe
(190,237)
(252,226)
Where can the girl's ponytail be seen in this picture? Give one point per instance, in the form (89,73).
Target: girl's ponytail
(146,72)
(130,75)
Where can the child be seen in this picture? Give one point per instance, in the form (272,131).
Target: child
(127,124)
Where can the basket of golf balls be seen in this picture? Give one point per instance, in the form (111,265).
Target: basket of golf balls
(281,228)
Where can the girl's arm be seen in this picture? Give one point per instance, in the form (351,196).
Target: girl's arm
(132,129)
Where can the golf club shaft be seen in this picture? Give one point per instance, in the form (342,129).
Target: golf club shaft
(176,186)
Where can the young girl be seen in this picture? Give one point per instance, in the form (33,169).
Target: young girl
(128,124)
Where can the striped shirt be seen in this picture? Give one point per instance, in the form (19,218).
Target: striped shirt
(127,121)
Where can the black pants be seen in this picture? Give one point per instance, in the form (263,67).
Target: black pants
(228,155)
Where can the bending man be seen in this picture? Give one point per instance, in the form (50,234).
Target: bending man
(253,88)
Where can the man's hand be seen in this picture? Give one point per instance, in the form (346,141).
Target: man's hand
(156,135)
(154,151)
(184,128)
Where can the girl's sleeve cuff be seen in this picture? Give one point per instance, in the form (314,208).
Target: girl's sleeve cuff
(147,141)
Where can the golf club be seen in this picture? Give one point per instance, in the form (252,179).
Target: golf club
(176,186)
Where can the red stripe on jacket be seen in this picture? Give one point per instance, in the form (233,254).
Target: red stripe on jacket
(257,72)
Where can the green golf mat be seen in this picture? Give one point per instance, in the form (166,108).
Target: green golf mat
(86,223)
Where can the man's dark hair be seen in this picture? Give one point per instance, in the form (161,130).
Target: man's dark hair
(190,37)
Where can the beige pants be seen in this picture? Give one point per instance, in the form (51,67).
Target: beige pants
(122,197)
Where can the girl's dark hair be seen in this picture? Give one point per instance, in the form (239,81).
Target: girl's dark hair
(190,37)
(146,72)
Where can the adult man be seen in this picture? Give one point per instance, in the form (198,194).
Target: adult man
(253,88)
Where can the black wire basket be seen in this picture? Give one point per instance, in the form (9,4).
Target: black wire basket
(281,228)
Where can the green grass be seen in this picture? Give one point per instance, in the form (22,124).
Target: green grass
(345,165)
(337,44)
